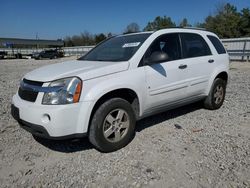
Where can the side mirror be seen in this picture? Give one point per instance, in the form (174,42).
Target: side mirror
(157,57)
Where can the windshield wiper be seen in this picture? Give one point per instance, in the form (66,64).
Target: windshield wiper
(107,60)
(101,60)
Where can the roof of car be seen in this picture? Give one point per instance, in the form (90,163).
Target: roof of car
(194,29)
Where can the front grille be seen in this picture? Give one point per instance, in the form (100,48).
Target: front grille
(34,83)
(27,94)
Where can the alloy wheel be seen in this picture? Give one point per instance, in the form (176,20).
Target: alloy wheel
(116,125)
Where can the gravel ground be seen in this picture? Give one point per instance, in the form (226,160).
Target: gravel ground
(185,147)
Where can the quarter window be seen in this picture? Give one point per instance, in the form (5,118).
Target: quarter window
(194,45)
(217,44)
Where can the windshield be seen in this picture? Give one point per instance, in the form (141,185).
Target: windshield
(119,48)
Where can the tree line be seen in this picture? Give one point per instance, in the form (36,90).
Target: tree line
(227,22)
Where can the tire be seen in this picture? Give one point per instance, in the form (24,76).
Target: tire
(112,126)
(216,95)
(39,139)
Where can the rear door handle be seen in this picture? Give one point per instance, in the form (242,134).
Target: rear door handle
(182,66)
(210,61)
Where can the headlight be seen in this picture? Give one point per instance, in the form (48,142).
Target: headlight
(63,91)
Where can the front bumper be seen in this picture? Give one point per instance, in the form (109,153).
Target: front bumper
(39,130)
(52,121)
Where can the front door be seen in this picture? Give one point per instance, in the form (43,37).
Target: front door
(166,81)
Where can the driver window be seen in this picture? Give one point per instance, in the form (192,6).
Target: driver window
(168,43)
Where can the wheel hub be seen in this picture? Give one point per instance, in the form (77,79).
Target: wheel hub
(218,94)
(115,125)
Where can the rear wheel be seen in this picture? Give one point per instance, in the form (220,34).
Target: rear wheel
(216,95)
(112,125)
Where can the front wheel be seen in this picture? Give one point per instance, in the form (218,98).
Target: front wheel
(112,125)
(216,95)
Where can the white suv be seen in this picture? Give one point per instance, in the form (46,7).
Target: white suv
(123,79)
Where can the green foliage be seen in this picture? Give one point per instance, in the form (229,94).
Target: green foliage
(68,41)
(225,23)
(132,28)
(244,24)
(199,25)
(159,23)
(84,39)
(109,35)
(229,23)
(184,23)
(99,38)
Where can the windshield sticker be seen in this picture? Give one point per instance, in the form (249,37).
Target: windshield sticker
(132,44)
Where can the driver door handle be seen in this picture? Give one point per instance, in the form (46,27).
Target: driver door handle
(210,61)
(182,66)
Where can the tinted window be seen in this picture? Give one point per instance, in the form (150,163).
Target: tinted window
(217,44)
(119,48)
(194,45)
(168,43)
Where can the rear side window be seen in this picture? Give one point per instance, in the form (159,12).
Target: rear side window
(194,45)
(217,44)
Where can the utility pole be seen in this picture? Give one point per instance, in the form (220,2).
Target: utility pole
(37,41)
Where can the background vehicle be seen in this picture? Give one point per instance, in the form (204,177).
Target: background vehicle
(3,54)
(49,54)
(125,78)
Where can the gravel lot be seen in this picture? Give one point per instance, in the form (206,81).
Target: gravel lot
(185,147)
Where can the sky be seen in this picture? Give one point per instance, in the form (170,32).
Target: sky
(56,19)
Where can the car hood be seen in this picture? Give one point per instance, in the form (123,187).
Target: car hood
(84,69)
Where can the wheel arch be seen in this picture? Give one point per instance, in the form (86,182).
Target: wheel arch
(223,75)
(125,93)
(218,74)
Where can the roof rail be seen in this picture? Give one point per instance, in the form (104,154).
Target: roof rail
(196,28)
(179,27)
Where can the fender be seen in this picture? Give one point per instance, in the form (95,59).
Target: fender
(216,72)
(131,79)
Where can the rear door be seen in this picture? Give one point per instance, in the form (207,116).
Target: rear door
(199,60)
